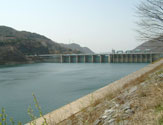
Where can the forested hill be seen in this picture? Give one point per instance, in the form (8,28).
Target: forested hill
(29,43)
(14,45)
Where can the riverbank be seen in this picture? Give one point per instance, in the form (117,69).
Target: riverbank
(89,108)
(25,60)
(140,103)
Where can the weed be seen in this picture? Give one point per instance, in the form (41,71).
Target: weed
(3,118)
(159,108)
(160,121)
(3,115)
(31,114)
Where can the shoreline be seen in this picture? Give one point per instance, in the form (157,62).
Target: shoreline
(76,107)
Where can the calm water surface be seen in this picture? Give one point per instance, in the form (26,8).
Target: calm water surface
(54,84)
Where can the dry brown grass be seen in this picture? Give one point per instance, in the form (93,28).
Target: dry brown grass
(89,114)
(149,101)
(142,78)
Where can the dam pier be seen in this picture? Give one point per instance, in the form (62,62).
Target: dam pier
(102,58)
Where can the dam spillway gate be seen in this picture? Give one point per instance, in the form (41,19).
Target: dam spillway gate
(101,58)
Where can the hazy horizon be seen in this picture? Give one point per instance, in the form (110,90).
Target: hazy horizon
(101,25)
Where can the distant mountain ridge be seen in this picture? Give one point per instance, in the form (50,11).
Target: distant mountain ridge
(77,47)
(155,45)
(15,45)
(29,43)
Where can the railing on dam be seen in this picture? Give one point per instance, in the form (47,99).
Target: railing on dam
(102,58)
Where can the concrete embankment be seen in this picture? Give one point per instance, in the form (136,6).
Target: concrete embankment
(64,114)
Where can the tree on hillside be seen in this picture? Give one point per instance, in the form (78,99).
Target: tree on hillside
(150,13)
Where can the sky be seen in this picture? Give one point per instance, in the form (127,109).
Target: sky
(101,25)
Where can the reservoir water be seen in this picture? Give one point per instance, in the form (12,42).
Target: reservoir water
(54,84)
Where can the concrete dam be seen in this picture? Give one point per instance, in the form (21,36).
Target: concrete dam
(102,58)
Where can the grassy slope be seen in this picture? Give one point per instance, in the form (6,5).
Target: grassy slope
(146,104)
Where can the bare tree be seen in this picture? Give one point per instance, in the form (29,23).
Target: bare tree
(151,19)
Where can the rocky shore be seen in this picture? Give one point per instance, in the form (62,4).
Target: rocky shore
(138,104)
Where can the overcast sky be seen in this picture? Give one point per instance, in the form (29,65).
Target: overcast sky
(101,25)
